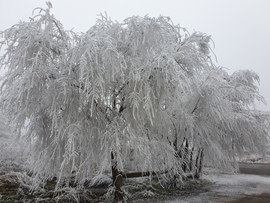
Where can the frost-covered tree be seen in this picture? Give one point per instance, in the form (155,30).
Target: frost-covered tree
(122,94)
(219,120)
(89,98)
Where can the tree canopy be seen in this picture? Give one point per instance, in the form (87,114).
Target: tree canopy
(134,90)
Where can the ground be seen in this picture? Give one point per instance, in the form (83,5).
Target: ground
(214,187)
(227,188)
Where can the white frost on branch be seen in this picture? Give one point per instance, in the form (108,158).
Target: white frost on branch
(136,89)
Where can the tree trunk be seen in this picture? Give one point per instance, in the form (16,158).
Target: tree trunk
(199,163)
(185,156)
(191,160)
(175,143)
(233,152)
(117,180)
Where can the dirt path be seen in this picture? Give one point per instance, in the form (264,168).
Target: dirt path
(263,198)
(255,168)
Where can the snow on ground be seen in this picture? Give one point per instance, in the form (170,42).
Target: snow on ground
(240,184)
(228,187)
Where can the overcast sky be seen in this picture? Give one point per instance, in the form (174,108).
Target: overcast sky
(239,28)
